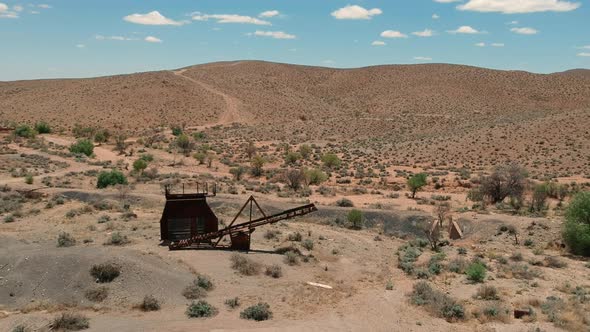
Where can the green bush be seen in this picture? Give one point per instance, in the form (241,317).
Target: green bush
(316,176)
(204,282)
(140,165)
(355,218)
(200,309)
(331,160)
(25,131)
(576,230)
(42,127)
(476,272)
(258,312)
(29,179)
(82,146)
(111,178)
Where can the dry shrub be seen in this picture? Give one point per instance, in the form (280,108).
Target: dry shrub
(70,322)
(274,271)
(98,294)
(487,292)
(149,303)
(493,312)
(555,262)
(437,302)
(245,265)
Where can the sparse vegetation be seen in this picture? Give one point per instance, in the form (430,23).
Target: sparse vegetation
(245,265)
(70,322)
(258,312)
(437,302)
(106,272)
(97,294)
(232,303)
(149,303)
(200,309)
(274,271)
(65,240)
(486,292)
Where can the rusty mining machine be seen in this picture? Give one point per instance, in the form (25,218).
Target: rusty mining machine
(189,222)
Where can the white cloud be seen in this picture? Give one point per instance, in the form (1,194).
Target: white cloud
(117,38)
(481,44)
(447,1)
(80,46)
(587,47)
(465,29)
(525,31)
(151,18)
(435,16)
(425,33)
(393,34)
(584,54)
(152,39)
(378,43)
(422,58)
(519,6)
(18,8)
(6,13)
(229,18)
(497,44)
(44,6)
(354,12)
(512,23)
(274,34)
(269,13)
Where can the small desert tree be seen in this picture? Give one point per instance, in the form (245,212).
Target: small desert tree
(355,218)
(140,165)
(305,151)
(250,149)
(442,210)
(292,157)
(42,128)
(505,181)
(237,172)
(538,202)
(576,230)
(257,165)
(416,182)
(120,144)
(294,178)
(184,143)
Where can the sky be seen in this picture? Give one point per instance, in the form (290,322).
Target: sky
(74,38)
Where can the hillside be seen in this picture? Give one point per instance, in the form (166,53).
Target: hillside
(427,114)
(270,92)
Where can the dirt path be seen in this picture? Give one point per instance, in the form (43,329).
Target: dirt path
(232,112)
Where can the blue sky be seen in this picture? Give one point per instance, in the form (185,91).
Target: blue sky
(68,38)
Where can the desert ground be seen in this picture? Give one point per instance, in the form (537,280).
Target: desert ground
(346,148)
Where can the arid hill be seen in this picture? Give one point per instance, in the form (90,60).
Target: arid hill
(262,92)
(432,114)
